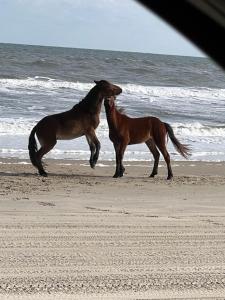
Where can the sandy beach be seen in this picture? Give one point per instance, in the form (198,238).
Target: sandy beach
(81,234)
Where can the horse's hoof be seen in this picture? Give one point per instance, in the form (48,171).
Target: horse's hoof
(116,176)
(92,164)
(170,177)
(43,173)
(95,161)
(122,172)
(153,174)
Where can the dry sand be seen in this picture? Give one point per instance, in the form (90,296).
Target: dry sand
(80,234)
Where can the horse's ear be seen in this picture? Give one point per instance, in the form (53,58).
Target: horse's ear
(96,81)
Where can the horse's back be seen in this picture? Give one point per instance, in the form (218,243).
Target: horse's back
(143,123)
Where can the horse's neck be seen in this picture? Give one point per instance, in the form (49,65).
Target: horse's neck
(92,102)
(112,118)
(98,106)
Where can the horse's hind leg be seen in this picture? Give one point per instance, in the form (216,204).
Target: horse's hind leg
(94,145)
(152,147)
(40,153)
(97,150)
(163,150)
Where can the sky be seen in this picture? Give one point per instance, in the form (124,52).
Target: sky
(122,25)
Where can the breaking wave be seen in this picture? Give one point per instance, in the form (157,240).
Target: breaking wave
(191,93)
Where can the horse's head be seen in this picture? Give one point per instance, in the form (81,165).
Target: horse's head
(108,89)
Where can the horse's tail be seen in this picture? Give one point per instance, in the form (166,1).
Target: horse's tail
(32,147)
(184,150)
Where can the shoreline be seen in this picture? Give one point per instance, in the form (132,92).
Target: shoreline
(81,234)
(180,168)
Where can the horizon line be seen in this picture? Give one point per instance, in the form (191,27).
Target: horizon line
(96,49)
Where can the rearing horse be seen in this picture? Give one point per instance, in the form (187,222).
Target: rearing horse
(81,120)
(124,131)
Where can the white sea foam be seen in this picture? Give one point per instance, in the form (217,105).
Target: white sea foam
(173,92)
(131,156)
(129,89)
(197,129)
(16,127)
(47,83)
(23,126)
(15,163)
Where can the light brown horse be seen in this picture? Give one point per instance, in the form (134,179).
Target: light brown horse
(124,131)
(81,120)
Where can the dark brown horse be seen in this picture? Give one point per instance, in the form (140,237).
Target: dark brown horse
(124,131)
(81,120)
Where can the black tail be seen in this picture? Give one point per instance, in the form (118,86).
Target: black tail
(32,147)
(184,150)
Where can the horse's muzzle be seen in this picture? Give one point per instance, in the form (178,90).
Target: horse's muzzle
(118,91)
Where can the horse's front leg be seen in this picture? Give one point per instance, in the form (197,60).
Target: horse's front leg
(117,172)
(119,149)
(94,145)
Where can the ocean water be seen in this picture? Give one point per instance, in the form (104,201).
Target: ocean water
(187,92)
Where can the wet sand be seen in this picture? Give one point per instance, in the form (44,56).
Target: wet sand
(80,234)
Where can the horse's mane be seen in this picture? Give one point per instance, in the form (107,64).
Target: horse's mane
(89,102)
(121,110)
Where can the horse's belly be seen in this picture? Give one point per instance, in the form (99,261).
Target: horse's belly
(68,137)
(63,135)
